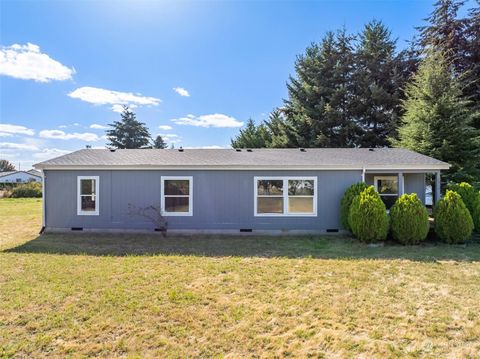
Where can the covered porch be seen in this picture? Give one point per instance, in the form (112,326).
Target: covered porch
(391,184)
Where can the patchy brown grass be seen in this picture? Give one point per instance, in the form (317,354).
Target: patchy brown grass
(231,297)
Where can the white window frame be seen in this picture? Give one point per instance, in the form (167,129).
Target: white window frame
(80,212)
(285,195)
(375,181)
(190,196)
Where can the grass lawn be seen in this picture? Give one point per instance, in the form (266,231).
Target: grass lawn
(148,296)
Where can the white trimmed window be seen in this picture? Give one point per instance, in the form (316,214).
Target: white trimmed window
(87,195)
(285,196)
(177,196)
(387,188)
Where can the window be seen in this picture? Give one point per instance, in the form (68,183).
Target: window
(177,194)
(387,188)
(88,201)
(285,196)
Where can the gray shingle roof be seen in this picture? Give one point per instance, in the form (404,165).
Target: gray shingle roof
(313,158)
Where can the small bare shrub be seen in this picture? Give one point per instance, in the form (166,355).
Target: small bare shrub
(153,214)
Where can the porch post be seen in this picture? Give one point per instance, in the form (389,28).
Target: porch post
(401,184)
(437,187)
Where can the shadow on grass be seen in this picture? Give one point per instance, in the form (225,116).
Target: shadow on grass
(327,247)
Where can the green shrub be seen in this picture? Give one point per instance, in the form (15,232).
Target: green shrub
(476,214)
(453,222)
(350,193)
(409,220)
(471,198)
(32,189)
(468,194)
(368,217)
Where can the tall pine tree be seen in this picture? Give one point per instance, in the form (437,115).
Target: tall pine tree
(445,33)
(317,110)
(459,39)
(437,119)
(128,132)
(252,136)
(159,143)
(379,75)
(472,58)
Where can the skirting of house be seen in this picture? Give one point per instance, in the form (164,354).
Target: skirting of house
(193,232)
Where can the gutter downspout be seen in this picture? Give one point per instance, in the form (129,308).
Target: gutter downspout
(363,174)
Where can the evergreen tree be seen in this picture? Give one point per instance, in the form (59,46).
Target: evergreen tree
(437,119)
(459,40)
(445,33)
(252,136)
(278,130)
(159,143)
(472,57)
(379,75)
(6,165)
(318,108)
(128,132)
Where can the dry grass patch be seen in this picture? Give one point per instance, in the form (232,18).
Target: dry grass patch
(233,297)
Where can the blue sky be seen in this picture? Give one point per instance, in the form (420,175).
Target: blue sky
(65,67)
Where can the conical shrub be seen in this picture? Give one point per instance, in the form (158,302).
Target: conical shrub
(471,198)
(409,220)
(349,195)
(368,217)
(453,222)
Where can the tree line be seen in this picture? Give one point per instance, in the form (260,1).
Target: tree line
(359,90)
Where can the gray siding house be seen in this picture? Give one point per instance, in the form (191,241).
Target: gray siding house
(223,190)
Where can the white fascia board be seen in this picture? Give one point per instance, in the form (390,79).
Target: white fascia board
(246,168)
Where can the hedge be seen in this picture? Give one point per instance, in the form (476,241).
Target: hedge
(349,195)
(409,220)
(32,189)
(368,217)
(453,222)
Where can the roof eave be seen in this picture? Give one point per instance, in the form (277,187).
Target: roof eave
(430,167)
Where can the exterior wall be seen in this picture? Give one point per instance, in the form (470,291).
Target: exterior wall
(23,176)
(222,200)
(413,182)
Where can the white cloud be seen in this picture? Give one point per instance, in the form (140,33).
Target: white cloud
(168,135)
(17,146)
(48,153)
(165,127)
(26,62)
(213,120)
(4,134)
(117,108)
(16,129)
(181,91)
(62,126)
(98,96)
(98,127)
(62,135)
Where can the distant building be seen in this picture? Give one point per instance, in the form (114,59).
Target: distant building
(20,176)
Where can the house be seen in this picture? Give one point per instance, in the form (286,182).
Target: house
(35,172)
(20,176)
(223,190)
